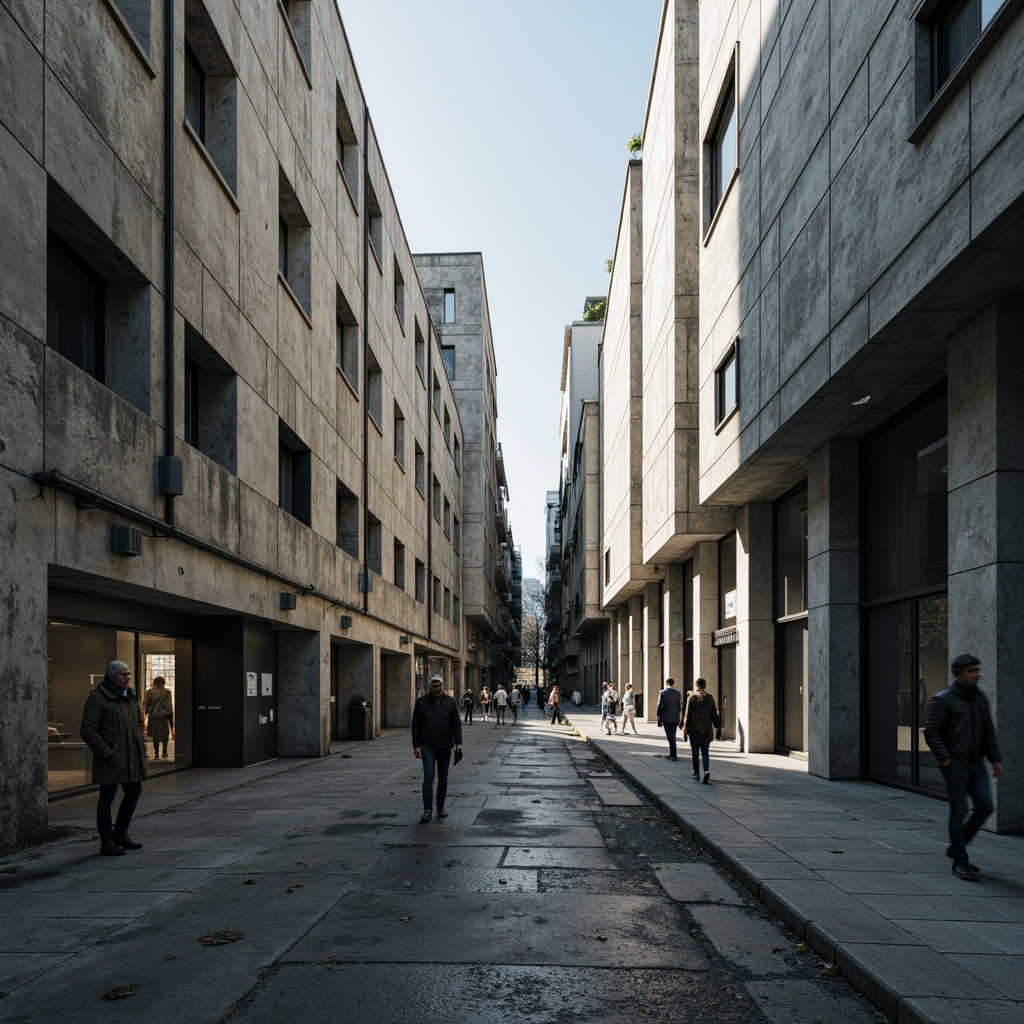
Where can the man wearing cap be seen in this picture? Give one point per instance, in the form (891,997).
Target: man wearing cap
(113,729)
(961,735)
(436,728)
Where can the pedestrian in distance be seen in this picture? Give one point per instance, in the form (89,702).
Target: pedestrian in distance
(525,693)
(961,735)
(608,701)
(542,698)
(158,707)
(555,703)
(485,703)
(500,703)
(112,728)
(468,703)
(670,705)
(513,702)
(436,729)
(629,709)
(701,722)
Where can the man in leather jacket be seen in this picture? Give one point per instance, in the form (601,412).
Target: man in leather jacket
(961,735)
(436,728)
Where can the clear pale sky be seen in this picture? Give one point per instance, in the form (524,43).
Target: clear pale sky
(503,125)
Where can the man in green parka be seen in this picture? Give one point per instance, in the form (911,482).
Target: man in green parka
(113,729)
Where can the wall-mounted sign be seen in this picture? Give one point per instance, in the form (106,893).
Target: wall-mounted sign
(725,637)
(267,684)
(250,684)
(730,604)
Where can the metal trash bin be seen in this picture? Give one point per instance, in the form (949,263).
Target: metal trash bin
(360,724)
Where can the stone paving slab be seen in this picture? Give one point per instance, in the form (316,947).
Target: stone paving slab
(695,883)
(925,946)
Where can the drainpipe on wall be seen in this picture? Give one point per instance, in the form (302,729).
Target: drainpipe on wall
(365,582)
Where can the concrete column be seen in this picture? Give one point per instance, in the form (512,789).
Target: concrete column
(26,540)
(653,673)
(705,612)
(755,653)
(833,614)
(986,525)
(636,647)
(304,694)
(672,624)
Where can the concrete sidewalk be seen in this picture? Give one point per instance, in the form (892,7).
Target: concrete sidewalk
(856,869)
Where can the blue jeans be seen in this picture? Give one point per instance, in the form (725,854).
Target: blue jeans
(106,829)
(434,758)
(966,779)
(670,735)
(699,748)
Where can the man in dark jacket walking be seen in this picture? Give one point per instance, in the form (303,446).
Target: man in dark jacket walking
(113,729)
(961,735)
(436,728)
(670,705)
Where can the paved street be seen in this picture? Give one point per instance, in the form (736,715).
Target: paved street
(552,892)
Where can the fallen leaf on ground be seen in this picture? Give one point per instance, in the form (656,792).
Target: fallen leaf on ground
(406,920)
(601,938)
(249,881)
(801,947)
(292,888)
(831,971)
(221,938)
(120,991)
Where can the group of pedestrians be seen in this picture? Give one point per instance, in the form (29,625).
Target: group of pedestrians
(959,730)
(501,701)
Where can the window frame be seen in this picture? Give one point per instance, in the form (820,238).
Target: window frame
(87,276)
(724,122)
(730,358)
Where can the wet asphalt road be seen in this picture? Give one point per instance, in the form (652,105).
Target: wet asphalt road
(553,892)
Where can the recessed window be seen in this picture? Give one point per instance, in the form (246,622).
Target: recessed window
(458,456)
(399,565)
(726,386)
(348,149)
(211,92)
(437,596)
(294,469)
(956,28)
(447,428)
(211,402)
(299,16)
(294,246)
(421,354)
(457,535)
(98,304)
(421,582)
(449,305)
(447,603)
(448,355)
(347,330)
(399,293)
(137,16)
(375,390)
(436,499)
(456,611)
(347,521)
(722,154)
(374,540)
(436,399)
(447,520)
(376,227)
(421,471)
(399,436)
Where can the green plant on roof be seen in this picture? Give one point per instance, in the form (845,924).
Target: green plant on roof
(635,144)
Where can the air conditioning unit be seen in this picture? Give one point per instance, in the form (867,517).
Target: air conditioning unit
(471,643)
(126,540)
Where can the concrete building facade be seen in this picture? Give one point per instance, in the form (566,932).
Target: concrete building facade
(829,213)
(220,457)
(456,295)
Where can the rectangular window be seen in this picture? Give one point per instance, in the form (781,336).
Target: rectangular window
(448,355)
(456,611)
(295,245)
(195,93)
(458,456)
(375,390)
(137,15)
(374,542)
(294,469)
(399,565)
(956,29)
(211,402)
(449,305)
(447,603)
(376,227)
(721,149)
(347,520)
(421,582)
(726,387)
(399,437)
(447,428)
(437,596)
(421,471)
(74,309)
(421,354)
(211,92)
(457,535)
(348,149)
(299,16)
(436,500)
(347,331)
(399,294)
(447,520)
(436,399)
